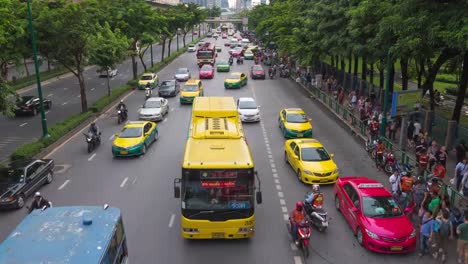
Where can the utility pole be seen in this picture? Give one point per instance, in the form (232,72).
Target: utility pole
(383,125)
(45,132)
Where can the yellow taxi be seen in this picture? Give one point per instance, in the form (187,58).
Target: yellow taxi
(146,79)
(134,138)
(191,89)
(310,161)
(235,80)
(294,123)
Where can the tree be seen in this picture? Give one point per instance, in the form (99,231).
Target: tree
(7,105)
(215,11)
(461,93)
(66,33)
(108,49)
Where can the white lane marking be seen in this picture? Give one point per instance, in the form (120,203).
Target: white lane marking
(111,137)
(272,161)
(92,89)
(135,180)
(171,221)
(297,260)
(65,103)
(165,119)
(285,217)
(22,125)
(92,156)
(78,96)
(273,165)
(273,170)
(47,112)
(124,182)
(293,247)
(282,202)
(63,185)
(270,156)
(269,152)
(275,175)
(267,144)
(50,95)
(285,210)
(277,181)
(280,194)
(65,88)
(278,187)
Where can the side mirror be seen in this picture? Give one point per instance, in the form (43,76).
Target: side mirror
(332,155)
(258,197)
(116,134)
(176,188)
(310,119)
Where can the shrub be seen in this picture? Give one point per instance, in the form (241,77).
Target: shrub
(454,91)
(447,78)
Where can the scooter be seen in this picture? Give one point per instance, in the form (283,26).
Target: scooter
(240,60)
(148,93)
(303,235)
(230,62)
(318,216)
(121,116)
(389,163)
(370,145)
(93,141)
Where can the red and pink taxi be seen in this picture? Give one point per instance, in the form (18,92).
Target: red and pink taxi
(379,224)
(207,72)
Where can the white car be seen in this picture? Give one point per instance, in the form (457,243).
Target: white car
(182,74)
(104,72)
(154,109)
(248,109)
(192,48)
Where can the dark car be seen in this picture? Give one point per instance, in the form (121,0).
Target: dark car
(30,105)
(257,72)
(169,88)
(21,179)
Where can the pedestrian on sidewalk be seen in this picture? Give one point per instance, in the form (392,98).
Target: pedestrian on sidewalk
(426,233)
(432,152)
(394,181)
(409,134)
(464,185)
(422,163)
(461,150)
(392,130)
(442,156)
(460,170)
(462,243)
(445,234)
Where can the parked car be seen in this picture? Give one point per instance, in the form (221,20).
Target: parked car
(104,72)
(182,74)
(154,109)
(169,88)
(30,105)
(21,179)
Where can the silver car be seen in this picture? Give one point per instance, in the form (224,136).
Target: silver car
(154,109)
(182,74)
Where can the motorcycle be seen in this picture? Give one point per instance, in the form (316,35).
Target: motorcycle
(121,116)
(148,93)
(389,163)
(240,60)
(93,141)
(317,215)
(303,235)
(284,73)
(230,61)
(370,146)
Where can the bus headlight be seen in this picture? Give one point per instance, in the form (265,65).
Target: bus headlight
(245,230)
(190,230)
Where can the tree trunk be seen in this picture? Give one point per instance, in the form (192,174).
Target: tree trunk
(371,75)
(404,73)
(332,62)
(84,101)
(4,70)
(350,62)
(26,66)
(364,68)
(461,90)
(163,48)
(392,78)
(192,33)
(421,72)
(183,38)
(356,65)
(336,62)
(134,62)
(141,55)
(428,84)
(169,47)
(108,85)
(342,62)
(48,64)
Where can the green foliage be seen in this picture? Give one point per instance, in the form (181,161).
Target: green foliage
(215,11)
(7,105)
(447,78)
(108,48)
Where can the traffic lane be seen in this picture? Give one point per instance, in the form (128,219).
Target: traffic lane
(350,157)
(66,101)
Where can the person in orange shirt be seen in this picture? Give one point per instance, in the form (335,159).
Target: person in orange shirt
(297,216)
(380,149)
(422,163)
(439,170)
(406,183)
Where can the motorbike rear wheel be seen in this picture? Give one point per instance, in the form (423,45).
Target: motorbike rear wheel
(90,147)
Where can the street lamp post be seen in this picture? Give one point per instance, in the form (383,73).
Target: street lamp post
(45,132)
(383,125)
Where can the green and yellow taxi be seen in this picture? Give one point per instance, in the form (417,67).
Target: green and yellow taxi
(310,161)
(294,123)
(134,138)
(248,54)
(223,66)
(148,78)
(191,89)
(235,80)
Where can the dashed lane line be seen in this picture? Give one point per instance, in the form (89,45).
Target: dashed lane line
(171,221)
(50,95)
(92,156)
(22,125)
(124,182)
(297,260)
(111,137)
(64,103)
(63,185)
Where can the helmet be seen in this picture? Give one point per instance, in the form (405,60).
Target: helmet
(121,101)
(93,124)
(37,194)
(299,206)
(316,188)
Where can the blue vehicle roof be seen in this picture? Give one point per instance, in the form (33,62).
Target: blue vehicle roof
(61,235)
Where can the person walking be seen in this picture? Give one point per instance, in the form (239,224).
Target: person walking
(460,170)
(462,243)
(461,150)
(442,156)
(426,233)
(445,234)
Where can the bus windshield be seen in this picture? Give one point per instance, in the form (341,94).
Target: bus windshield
(218,190)
(205,54)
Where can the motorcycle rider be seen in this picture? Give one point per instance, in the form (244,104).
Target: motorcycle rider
(270,72)
(231,60)
(148,91)
(94,131)
(380,149)
(315,198)
(122,107)
(374,128)
(39,202)
(297,216)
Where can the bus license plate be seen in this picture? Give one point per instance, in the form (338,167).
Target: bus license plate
(123,152)
(300,135)
(217,235)
(396,248)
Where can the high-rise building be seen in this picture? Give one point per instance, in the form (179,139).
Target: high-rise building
(224,3)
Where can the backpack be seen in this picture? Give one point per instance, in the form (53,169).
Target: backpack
(444,228)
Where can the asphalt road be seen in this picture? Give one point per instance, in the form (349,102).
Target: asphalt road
(142,187)
(66,101)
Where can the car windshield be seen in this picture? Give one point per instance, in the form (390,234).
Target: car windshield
(206,68)
(222,62)
(314,154)
(131,132)
(182,71)
(152,104)
(191,87)
(191,45)
(296,118)
(380,206)
(25,99)
(146,77)
(9,175)
(205,54)
(238,49)
(167,85)
(247,105)
(257,68)
(234,76)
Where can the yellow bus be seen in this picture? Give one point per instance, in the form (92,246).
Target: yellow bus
(217,186)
